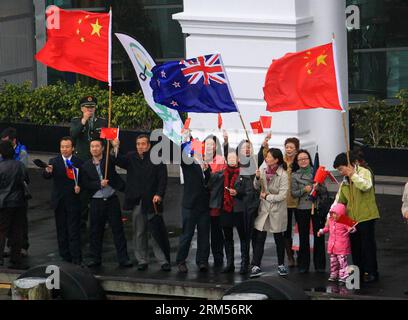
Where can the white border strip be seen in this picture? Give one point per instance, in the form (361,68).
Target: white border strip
(336,69)
(110,50)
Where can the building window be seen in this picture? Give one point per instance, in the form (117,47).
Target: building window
(378,51)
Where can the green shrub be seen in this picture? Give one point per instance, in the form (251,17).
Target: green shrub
(58,104)
(383,125)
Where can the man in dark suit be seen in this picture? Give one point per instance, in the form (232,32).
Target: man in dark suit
(65,200)
(82,130)
(145,188)
(195,211)
(104,205)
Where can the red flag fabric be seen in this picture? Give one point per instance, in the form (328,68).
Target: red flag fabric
(70,173)
(79,43)
(187,124)
(219,121)
(109,133)
(197,146)
(266,121)
(302,80)
(321,175)
(347,221)
(257,127)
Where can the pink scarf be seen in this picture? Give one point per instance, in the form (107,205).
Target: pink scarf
(270,172)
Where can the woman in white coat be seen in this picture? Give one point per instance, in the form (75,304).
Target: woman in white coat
(272,180)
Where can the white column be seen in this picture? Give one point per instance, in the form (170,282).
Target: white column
(326,125)
(40,38)
(248,38)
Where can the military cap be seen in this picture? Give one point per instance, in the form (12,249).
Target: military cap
(88,101)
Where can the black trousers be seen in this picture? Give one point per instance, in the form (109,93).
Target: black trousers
(102,211)
(258,245)
(237,221)
(158,230)
(25,244)
(364,247)
(303,218)
(217,240)
(12,224)
(85,200)
(192,218)
(68,223)
(288,233)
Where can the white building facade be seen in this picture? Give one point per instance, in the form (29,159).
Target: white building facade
(249,34)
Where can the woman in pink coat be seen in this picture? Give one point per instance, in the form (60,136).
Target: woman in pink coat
(339,243)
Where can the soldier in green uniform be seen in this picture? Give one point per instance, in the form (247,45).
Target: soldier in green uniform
(84,129)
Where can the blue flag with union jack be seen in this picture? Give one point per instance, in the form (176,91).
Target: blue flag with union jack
(193,85)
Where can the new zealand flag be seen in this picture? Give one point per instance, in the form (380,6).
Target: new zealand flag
(194,85)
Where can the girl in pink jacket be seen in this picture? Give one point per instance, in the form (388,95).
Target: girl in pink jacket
(339,243)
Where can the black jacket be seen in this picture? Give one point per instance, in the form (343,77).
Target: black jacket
(13,174)
(83,134)
(144,180)
(63,187)
(247,199)
(90,180)
(196,193)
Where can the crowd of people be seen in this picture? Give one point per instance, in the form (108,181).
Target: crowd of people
(224,188)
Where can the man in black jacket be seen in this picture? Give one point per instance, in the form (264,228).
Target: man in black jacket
(195,211)
(104,205)
(65,200)
(13,174)
(145,188)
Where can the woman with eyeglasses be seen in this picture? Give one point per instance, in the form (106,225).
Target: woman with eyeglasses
(301,186)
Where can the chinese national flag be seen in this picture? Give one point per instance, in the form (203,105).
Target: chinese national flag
(303,80)
(70,173)
(187,124)
(197,146)
(219,121)
(109,133)
(77,41)
(347,221)
(266,121)
(257,127)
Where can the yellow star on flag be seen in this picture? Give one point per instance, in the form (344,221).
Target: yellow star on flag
(96,28)
(320,59)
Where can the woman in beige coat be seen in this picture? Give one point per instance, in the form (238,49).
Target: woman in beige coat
(272,180)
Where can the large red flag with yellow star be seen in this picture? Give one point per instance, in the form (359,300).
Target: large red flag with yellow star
(78,41)
(303,80)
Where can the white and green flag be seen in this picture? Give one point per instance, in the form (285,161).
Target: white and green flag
(143,64)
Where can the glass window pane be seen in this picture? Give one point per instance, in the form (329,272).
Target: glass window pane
(377,51)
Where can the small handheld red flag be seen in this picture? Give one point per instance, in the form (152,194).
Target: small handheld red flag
(109,133)
(257,127)
(347,221)
(197,146)
(219,121)
(70,173)
(266,121)
(186,125)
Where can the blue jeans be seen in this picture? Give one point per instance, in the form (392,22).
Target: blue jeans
(192,218)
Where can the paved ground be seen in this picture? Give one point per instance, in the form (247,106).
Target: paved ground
(392,236)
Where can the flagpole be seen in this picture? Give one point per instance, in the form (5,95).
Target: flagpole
(233,98)
(110,89)
(343,112)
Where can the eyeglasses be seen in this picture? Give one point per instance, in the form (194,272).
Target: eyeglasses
(302,159)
